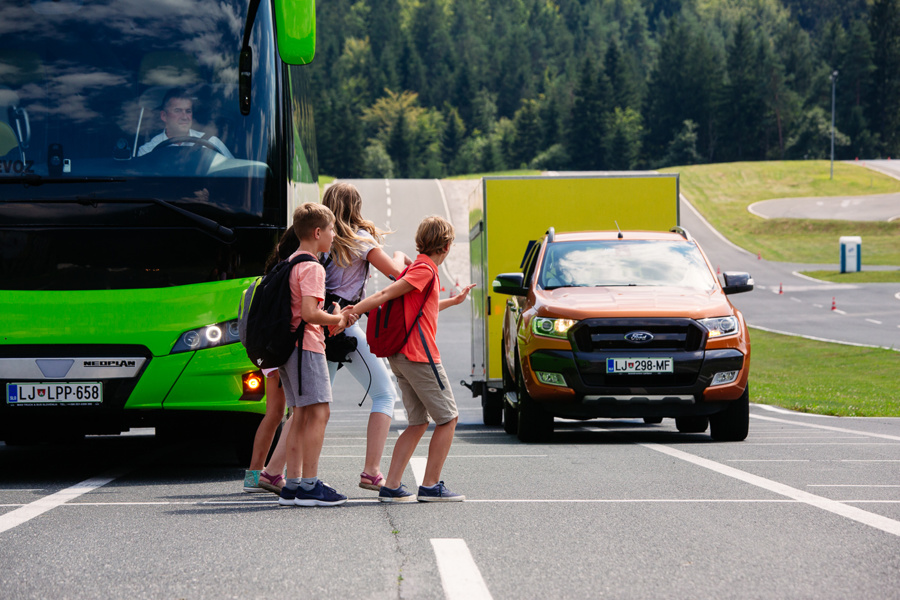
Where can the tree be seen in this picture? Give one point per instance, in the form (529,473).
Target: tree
(454,133)
(623,143)
(884,26)
(743,107)
(528,137)
(586,128)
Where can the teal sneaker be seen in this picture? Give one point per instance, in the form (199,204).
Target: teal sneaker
(251,482)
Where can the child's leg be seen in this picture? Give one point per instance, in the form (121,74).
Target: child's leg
(441,440)
(267,427)
(315,418)
(279,454)
(403,451)
(294,447)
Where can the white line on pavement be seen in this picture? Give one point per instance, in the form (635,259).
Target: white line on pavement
(851,512)
(853,485)
(874,321)
(459,574)
(417,464)
(39,507)
(829,428)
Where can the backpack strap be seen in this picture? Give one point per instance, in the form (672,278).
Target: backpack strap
(419,314)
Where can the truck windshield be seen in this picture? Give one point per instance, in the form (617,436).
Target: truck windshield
(625,263)
(112,112)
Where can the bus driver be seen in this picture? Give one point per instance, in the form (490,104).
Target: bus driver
(177,113)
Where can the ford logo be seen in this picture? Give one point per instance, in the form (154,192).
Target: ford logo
(638,337)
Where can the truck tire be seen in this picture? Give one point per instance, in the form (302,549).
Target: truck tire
(510,418)
(691,424)
(733,423)
(535,424)
(492,407)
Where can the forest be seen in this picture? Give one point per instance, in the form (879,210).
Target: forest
(433,88)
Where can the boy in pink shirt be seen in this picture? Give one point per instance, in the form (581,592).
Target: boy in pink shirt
(307,386)
(425,388)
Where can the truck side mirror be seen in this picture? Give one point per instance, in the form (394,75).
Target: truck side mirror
(737,282)
(295,24)
(510,283)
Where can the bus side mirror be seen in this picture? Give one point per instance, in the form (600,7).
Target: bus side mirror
(736,282)
(295,22)
(510,283)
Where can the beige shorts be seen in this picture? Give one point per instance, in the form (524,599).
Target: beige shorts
(421,394)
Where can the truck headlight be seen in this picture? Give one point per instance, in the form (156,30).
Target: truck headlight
(720,326)
(555,328)
(210,336)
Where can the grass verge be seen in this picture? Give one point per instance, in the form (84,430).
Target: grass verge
(722,193)
(824,378)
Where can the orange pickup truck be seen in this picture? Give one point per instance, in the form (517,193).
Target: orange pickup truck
(630,324)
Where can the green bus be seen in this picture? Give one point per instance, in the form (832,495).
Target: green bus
(151,153)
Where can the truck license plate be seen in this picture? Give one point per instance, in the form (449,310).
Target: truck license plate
(63,392)
(626,366)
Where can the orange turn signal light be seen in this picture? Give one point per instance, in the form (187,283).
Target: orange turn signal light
(254,385)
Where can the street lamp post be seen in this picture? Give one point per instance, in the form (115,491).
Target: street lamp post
(833,82)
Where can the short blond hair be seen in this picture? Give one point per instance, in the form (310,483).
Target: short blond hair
(309,216)
(434,234)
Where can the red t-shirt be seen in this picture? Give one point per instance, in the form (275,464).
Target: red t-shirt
(419,275)
(307,279)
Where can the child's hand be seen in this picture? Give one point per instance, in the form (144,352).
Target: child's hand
(462,295)
(351,317)
(398,255)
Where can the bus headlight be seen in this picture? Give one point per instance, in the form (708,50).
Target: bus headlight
(210,336)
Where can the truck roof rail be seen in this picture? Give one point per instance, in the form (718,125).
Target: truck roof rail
(682,232)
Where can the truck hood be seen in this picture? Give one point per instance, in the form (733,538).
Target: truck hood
(628,301)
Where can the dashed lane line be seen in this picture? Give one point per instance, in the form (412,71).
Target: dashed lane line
(850,512)
(459,574)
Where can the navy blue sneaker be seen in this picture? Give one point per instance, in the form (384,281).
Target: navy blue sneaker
(286,497)
(320,495)
(401,494)
(439,493)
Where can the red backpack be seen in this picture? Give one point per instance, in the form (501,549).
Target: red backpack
(386,329)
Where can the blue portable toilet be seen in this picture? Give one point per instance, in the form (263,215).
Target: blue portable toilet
(851,253)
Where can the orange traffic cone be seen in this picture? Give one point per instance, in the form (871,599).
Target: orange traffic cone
(833,305)
(718,270)
(780,289)
(759,256)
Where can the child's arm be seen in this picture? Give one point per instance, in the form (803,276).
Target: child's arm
(448,302)
(395,290)
(314,315)
(391,267)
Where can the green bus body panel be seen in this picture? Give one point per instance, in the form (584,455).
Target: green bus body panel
(150,317)
(208,379)
(204,385)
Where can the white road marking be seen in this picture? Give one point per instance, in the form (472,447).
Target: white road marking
(829,428)
(769,460)
(874,321)
(850,512)
(42,505)
(796,300)
(417,464)
(819,339)
(399,414)
(853,485)
(459,574)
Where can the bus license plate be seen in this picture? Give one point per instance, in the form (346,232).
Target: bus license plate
(626,366)
(63,392)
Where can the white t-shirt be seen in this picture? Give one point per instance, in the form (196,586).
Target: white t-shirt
(346,282)
(153,143)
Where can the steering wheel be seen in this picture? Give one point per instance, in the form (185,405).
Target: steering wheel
(185,139)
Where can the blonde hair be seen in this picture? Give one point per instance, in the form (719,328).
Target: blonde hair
(309,216)
(345,202)
(433,235)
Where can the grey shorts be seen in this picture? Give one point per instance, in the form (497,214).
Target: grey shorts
(316,383)
(421,394)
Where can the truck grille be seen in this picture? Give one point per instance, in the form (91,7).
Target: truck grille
(609,335)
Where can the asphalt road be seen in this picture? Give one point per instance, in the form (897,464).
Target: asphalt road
(876,207)
(806,507)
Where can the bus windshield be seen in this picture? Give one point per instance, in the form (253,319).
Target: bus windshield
(114,111)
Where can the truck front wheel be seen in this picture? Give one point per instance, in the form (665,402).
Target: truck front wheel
(733,423)
(535,424)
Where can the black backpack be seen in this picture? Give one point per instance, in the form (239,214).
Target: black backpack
(264,316)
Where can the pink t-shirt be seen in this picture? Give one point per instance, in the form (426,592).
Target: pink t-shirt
(307,279)
(419,276)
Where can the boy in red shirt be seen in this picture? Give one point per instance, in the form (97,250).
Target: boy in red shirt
(425,390)
(310,393)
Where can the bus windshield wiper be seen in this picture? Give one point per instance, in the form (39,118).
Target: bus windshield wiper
(35,180)
(214,228)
